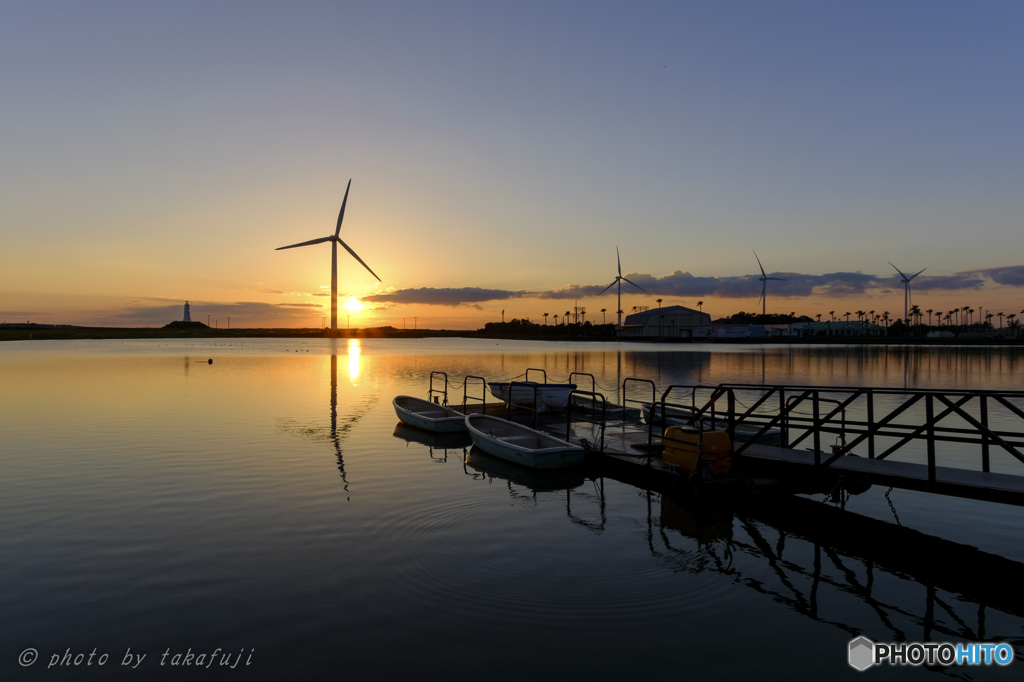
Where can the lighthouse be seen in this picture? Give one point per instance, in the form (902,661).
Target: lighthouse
(188,316)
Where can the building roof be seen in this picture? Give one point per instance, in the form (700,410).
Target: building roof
(653,313)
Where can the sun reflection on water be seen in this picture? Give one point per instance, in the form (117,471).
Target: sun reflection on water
(353,359)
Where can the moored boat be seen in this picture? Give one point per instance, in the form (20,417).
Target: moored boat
(521,444)
(427,415)
(522,393)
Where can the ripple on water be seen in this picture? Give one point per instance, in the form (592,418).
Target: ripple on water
(473,557)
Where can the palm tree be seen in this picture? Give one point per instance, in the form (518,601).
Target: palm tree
(915,312)
(565,318)
(833,314)
(819,317)
(1000,316)
(847,318)
(545,319)
(988,318)
(929,311)
(885,316)
(556,319)
(659,303)
(699,306)
(604,319)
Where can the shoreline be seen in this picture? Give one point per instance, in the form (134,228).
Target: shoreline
(67,333)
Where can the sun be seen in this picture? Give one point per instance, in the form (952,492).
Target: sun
(353,305)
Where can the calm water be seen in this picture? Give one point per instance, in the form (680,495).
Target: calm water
(151,500)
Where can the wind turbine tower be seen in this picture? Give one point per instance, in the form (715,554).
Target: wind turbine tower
(334,239)
(906,291)
(619,280)
(764,286)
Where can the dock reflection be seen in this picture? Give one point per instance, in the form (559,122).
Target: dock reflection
(855,573)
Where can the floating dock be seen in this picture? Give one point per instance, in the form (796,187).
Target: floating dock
(828,436)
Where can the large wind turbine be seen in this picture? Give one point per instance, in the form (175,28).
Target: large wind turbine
(906,291)
(619,280)
(335,240)
(764,286)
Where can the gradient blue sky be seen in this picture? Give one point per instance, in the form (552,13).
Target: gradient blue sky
(158,152)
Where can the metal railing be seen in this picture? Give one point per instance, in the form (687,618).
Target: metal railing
(902,420)
(600,423)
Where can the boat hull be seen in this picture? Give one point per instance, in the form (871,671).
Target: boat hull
(428,416)
(521,445)
(549,396)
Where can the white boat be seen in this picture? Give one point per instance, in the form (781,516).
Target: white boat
(550,396)
(428,416)
(520,444)
(683,416)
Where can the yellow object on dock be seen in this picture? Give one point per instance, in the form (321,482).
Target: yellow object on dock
(683,444)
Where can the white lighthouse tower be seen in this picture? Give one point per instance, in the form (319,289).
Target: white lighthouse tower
(188,315)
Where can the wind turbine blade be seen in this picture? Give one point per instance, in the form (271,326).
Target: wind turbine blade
(609,286)
(356,256)
(899,271)
(341,216)
(916,274)
(759,265)
(311,241)
(759,296)
(635,284)
(618,260)
(777,279)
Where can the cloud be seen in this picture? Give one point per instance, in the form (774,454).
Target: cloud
(1010,276)
(450,297)
(685,284)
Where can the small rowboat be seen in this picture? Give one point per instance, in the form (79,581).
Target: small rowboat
(521,393)
(537,480)
(427,415)
(520,444)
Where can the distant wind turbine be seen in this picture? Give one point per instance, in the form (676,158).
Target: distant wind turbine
(335,240)
(763,300)
(906,290)
(619,280)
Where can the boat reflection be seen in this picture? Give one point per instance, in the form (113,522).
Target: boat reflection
(536,480)
(443,442)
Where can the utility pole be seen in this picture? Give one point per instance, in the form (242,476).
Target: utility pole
(503,317)
(229,322)
(207,320)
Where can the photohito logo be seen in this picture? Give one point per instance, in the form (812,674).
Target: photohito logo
(863,653)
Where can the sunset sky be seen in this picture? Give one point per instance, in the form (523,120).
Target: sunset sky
(499,152)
